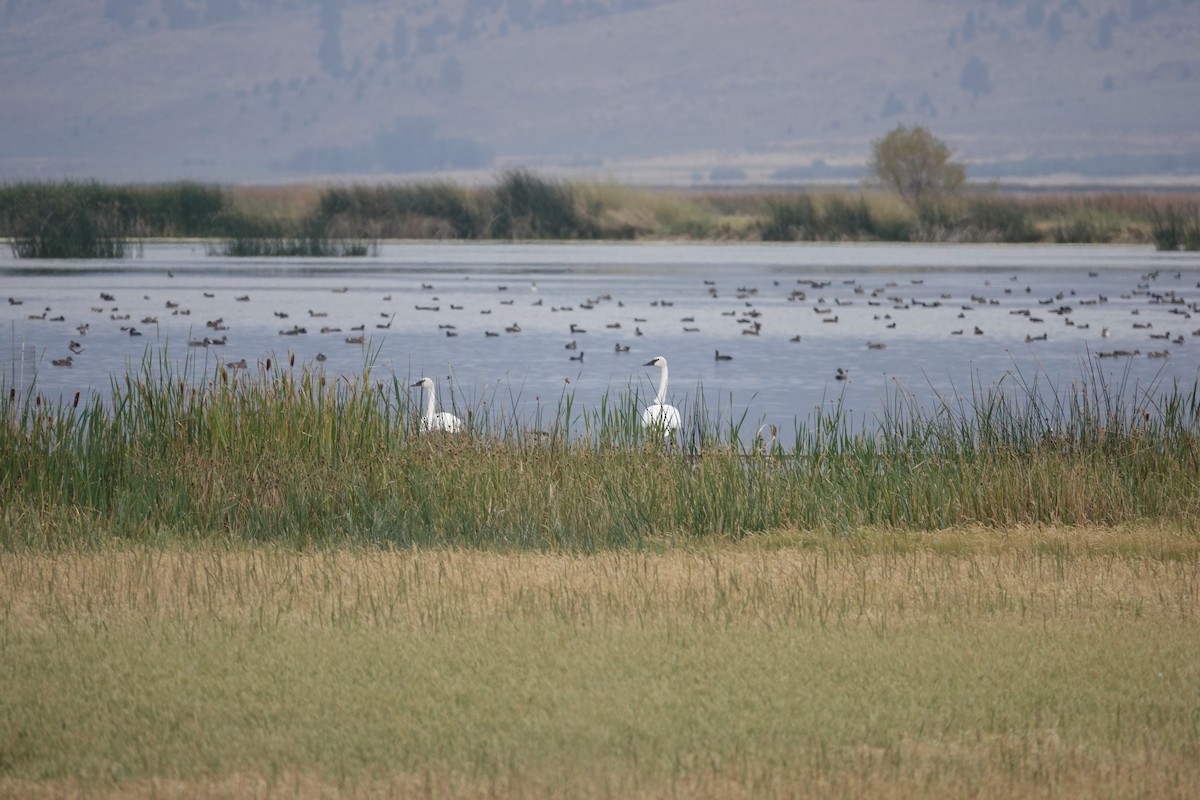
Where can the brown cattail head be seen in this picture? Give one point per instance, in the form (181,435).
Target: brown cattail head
(76,403)
(268,364)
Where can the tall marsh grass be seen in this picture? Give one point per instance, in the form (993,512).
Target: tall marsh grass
(831,216)
(1178,228)
(247,238)
(93,220)
(68,221)
(432,211)
(284,453)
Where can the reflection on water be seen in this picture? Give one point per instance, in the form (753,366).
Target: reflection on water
(520,324)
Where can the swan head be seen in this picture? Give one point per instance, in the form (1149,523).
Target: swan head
(657,361)
(424,383)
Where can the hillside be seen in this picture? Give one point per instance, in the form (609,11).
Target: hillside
(661,91)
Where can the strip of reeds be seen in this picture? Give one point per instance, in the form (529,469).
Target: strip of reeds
(284,453)
(1178,228)
(94,220)
(253,239)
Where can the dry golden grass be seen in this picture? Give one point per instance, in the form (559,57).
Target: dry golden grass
(1026,662)
(780,578)
(292,202)
(914,771)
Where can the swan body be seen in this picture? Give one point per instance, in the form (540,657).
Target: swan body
(659,416)
(441,421)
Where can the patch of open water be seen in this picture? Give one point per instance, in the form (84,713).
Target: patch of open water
(927,320)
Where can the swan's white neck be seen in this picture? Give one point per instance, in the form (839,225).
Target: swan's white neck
(662,387)
(428,417)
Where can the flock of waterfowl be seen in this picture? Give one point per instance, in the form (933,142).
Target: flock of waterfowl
(729,314)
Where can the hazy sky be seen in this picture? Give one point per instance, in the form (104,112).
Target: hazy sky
(643,90)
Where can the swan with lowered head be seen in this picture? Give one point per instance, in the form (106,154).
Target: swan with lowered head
(658,416)
(430,421)
(763,445)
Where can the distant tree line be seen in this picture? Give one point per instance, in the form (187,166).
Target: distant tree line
(925,201)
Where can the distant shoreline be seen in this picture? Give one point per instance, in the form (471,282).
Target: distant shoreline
(90,219)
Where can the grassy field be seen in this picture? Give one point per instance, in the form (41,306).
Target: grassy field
(1023,662)
(264,582)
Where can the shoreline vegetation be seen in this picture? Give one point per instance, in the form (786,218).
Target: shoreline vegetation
(279,452)
(78,219)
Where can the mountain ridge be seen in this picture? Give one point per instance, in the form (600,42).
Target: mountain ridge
(671,92)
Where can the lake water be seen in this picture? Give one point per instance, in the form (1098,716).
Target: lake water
(1040,313)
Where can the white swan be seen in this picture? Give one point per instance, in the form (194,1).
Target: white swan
(444,421)
(658,416)
(762,445)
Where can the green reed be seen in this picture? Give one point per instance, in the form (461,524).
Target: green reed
(88,219)
(1177,228)
(310,238)
(286,453)
(69,220)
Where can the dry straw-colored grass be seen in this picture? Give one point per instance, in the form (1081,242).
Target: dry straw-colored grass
(782,579)
(1020,663)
